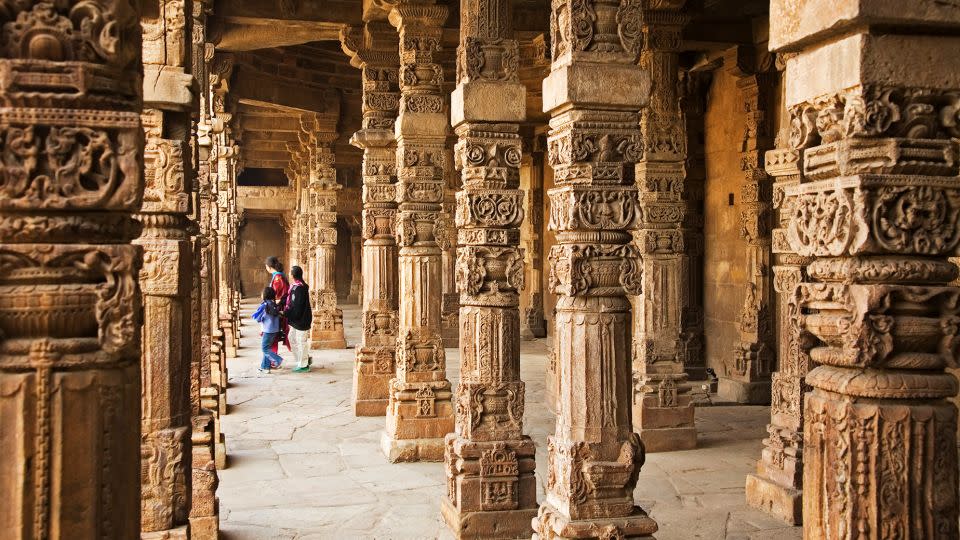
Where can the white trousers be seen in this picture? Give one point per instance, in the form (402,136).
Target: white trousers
(300,343)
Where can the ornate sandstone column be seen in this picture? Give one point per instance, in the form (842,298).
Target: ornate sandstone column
(746,377)
(878,211)
(356,263)
(420,412)
(447,241)
(532,322)
(491,488)
(69,300)
(327,332)
(663,411)
(594,456)
(374,51)
(776,487)
(165,448)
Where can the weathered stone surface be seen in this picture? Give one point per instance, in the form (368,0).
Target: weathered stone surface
(70,307)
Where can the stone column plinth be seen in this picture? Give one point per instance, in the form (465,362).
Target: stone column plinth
(420,411)
(70,305)
(593,94)
(663,409)
(491,487)
(877,211)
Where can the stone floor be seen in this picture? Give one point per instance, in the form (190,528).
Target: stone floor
(301,466)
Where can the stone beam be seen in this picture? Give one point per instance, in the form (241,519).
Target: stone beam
(251,84)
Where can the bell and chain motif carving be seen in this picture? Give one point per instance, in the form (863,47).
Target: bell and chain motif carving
(594,457)
(419,408)
(70,310)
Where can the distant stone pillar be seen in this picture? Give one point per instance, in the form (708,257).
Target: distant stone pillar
(165,448)
(356,265)
(491,487)
(663,412)
(594,457)
(420,412)
(776,487)
(878,211)
(447,240)
(374,51)
(533,324)
(327,331)
(746,376)
(69,300)
(204,505)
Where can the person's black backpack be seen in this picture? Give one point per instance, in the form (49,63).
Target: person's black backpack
(299,315)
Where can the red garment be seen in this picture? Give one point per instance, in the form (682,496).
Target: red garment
(281,287)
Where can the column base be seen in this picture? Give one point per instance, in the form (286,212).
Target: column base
(205,528)
(331,340)
(488,524)
(179,533)
(529,334)
(370,407)
(746,393)
(551,524)
(220,453)
(411,450)
(664,429)
(779,501)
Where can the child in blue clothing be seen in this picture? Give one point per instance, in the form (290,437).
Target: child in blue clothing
(268,315)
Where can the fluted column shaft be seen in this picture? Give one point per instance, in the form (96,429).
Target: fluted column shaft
(70,309)
(594,456)
(419,413)
(491,488)
(877,210)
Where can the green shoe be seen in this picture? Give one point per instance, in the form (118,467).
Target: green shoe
(301,369)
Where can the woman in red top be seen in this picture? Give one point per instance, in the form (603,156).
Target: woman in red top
(280,286)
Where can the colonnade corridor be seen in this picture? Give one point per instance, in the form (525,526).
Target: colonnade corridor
(302,466)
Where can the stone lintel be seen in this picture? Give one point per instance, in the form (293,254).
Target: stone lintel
(605,86)
(795,24)
(488,101)
(863,59)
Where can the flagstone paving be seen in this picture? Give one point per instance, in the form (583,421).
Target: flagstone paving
(302,466)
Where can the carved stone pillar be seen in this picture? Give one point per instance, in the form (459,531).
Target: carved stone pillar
(693,100)
(204,505)
(663,411)
(420,412)
(165,447)
(746,375)
(532,322)
(878,211)
(356,264)
(491,488)
(374,51)
(594,457)
(776,488)
(69,300)
(327,331)
(450,304)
